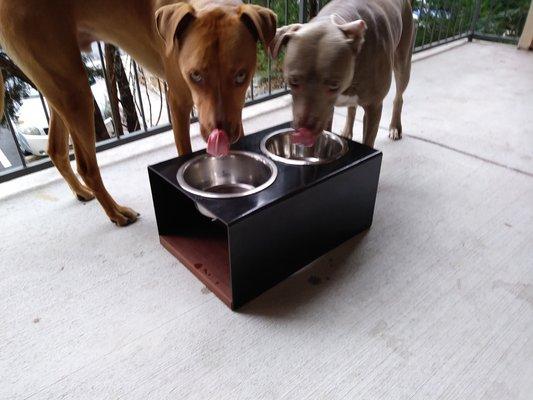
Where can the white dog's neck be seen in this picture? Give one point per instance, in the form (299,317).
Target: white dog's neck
(347,101)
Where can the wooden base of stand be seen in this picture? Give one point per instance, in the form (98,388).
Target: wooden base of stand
(207,258)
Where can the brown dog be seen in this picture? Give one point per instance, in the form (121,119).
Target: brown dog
(205,50)
(345,57)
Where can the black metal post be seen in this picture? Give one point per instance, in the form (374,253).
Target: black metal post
(269,64)
(166,102)
(302,11)
(449,21)
(44,108)
(252,82)
(138,85)
(286,12)
(13,133)
(116,118)
(424,25)
(475,19)
(441,23)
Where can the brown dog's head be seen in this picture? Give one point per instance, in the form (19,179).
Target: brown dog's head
(319,66)
(216,52)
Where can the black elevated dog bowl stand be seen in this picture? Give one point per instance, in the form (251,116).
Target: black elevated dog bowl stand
(260,240)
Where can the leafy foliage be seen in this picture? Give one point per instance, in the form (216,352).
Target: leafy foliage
(18,87)
(503,18)
(16,91)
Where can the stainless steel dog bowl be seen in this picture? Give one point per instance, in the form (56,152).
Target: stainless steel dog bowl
(279,147)
(238,174)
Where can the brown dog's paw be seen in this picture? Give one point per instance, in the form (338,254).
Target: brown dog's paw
(124,216)
(395,134)
(84,194)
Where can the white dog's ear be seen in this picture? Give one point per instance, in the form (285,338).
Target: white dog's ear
(354,31)
(171,22)
(261,21)
(282,37)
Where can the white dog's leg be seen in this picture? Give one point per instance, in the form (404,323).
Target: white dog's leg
(350,120)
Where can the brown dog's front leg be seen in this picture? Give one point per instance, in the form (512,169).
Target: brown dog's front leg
(180,114)
(78,116)
(371,123)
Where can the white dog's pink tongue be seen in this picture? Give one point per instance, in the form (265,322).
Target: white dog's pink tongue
(218,143)
(304,137)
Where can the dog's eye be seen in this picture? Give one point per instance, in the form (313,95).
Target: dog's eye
(196,77)
(240,77)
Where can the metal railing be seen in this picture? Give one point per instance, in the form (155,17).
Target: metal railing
(442,22)
(132,103)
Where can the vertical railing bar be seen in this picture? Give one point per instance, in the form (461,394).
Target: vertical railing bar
(456,14)
(422,22)
(449,23)
(415,27)
(505,14)
(269,64)
(252,89)
(485,26)
(432,29)
(461,18)
(45,109)
(475,18)
(15,139)
(452,23)
(286,23)
(467,20)
(108,86)
(489,17)
(458,17)
(302,11)
(252,82)
(138,85)
(166,103)
(440,22)
(520,25)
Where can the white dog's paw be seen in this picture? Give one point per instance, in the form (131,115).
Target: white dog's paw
(395,134)
(347,134)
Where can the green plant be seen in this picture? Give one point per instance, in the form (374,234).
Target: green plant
(503,18)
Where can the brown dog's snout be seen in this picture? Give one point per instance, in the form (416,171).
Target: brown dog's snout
(233,129)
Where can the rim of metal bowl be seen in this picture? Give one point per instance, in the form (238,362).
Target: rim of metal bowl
(275,157)
(258,157)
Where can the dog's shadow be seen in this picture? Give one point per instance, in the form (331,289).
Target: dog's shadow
(310,284)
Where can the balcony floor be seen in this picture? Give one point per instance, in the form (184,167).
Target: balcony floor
(435,301)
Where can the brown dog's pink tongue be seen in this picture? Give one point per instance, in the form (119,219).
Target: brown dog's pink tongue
(218,143)
(304,137)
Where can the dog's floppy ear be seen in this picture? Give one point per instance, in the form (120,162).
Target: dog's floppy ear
(171,21)
(354,31)
(282,37)
(261,21)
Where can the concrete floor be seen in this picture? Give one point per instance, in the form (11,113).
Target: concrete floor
(434,302)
